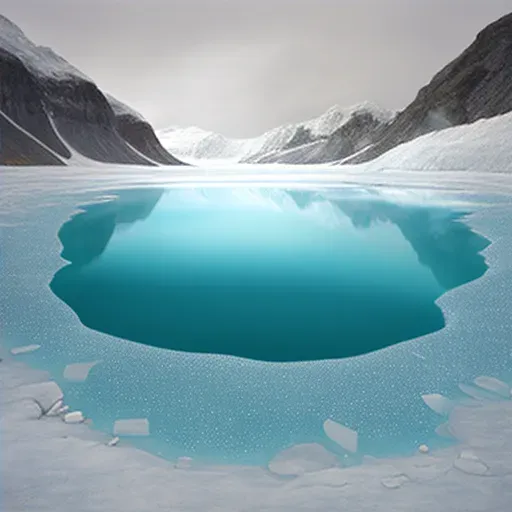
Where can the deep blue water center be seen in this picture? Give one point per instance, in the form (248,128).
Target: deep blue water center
(267,274)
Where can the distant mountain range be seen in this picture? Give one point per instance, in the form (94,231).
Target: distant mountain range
(351,128)
(477,84)
(52,114)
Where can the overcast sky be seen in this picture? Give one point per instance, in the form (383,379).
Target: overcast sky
(240,67)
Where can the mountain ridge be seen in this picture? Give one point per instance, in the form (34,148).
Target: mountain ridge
(45,96)
(196,143)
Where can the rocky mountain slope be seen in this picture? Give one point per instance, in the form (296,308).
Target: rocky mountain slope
(52,111)
(292,143)
(477,84)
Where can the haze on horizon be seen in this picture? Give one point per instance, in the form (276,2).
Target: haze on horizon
(240,68)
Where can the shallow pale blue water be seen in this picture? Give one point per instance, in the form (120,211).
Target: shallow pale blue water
(222,408)
(277,279)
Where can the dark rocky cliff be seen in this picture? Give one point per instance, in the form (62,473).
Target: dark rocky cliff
(140,134)
(60,107)
(477,84)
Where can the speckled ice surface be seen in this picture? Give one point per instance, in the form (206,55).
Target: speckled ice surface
(50,465)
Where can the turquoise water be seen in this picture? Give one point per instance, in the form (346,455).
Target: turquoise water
(270,275)
(223,409)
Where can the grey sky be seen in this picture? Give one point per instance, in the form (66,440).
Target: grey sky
(240,67)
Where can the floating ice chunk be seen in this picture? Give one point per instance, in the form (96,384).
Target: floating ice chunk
(302,458)
(395,481)
(494,385)
(78,372)
(63,410)
(132,427)
(443,430)
(438,403)
(24,350)
(423,448)
(468,455)
(74,417)
(113,442)
(55,408)
(184,463)
(469,463)
(344,436)
(476,393)
(45,394)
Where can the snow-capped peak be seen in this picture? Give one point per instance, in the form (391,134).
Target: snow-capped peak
(195,143)
(40,60)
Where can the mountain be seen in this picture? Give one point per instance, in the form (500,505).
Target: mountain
(352,127)
(477,84)
(53,114)
(360,128)
(482,146)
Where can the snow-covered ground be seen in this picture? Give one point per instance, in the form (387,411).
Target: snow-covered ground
(51,465)
(478,147)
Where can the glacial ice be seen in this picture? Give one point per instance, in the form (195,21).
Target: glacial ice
(73,417)
(302,458)
(45,394)
(56,408)
(131,427)
(438,403)
(78,372)
(89,473)
(25,349)
(494,385)
(344,436)
(477,393)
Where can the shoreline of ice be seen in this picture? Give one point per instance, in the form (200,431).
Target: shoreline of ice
(53,466)
(49,465)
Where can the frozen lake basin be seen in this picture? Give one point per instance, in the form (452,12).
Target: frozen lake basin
(234,400)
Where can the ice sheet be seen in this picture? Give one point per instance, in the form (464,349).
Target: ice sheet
(71,464)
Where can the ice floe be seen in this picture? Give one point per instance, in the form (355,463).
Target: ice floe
(438,403)
(131,427)
(344,436)
(443,430)
(184,463)
(394,481)
(24,350)
(477,393)
(78,372)
(302,458)
(495,385)
(469,463)
(74,417)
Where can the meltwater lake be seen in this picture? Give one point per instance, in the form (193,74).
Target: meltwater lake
(236,320)
(272,275)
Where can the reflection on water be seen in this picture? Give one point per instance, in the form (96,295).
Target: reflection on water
(269,274)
